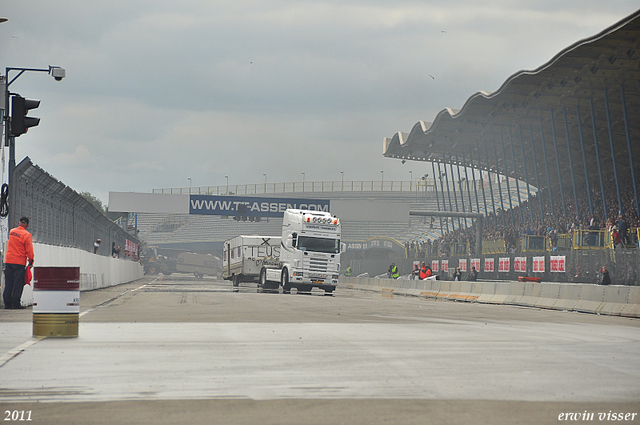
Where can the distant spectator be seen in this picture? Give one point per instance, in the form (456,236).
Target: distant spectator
(473,275)
(416,271)
(617,239)
(606,279)
(622,228)
(96,245)
(457,276)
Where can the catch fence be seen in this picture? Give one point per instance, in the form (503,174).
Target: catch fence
(60,216)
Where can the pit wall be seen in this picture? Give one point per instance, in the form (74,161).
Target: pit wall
(96,271)
(612,300)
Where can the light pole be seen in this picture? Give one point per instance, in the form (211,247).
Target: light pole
(227,179)
(265,182)
(58,74)
(189,178)
(410,180)
(303,176)
(342,178)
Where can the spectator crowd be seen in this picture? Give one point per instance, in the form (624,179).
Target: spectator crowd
(507,225)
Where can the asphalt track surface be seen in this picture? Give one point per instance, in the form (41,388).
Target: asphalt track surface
(187,351)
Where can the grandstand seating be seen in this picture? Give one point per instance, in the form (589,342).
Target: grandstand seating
(176,228)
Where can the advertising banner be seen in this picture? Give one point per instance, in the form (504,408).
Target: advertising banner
(445,266)
(520,264)
(538,264)
(434,266)
(489,264)
(462,263)
(474,262)
(503,264)
(248,206)
(557,264)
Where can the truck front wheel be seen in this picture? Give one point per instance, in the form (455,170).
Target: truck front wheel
(284,280)
(262,282)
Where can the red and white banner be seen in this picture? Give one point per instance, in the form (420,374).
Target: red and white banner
(520,264)
(445,266)
(130,247)
(489,264)
(474,262)
(557,264)
(434,266)
(503,264)
(538,264)
(462,263)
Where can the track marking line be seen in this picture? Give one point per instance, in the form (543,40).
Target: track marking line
(19,349)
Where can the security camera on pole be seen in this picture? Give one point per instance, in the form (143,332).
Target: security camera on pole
(16,125)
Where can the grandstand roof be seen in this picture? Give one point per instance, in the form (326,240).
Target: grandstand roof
(585,83)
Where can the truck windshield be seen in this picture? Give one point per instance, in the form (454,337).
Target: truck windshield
(329,246)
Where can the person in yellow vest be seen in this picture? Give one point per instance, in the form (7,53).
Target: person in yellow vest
(348,271)
(393,272)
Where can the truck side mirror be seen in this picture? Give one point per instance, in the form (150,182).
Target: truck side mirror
(294,239)
(343,247)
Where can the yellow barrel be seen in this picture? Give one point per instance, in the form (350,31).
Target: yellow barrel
(55,325)
(56,301)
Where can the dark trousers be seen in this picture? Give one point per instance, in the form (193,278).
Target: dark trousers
(13,284)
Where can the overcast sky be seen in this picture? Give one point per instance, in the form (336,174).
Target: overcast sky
(159,91)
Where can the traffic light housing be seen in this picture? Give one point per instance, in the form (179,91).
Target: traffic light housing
(20,122)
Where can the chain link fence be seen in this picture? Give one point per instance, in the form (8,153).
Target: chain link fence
(59,215)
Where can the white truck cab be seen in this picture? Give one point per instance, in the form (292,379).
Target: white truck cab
(309,254)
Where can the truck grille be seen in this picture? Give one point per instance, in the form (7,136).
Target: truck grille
(316,264)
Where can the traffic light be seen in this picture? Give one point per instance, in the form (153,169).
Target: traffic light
(20,122)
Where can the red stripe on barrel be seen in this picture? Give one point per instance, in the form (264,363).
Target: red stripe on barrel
(56,278)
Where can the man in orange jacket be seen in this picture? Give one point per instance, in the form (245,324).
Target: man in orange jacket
(19,256)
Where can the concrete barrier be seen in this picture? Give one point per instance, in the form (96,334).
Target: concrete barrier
(462,291)
(431,288)
(96,271)
(454,290)
(501,293)
(549,295)
(632,308)
(445,289)
(531,294)
(569,296)
(487,291)
(615,298)
(516,292)
(586,298)
(591,298)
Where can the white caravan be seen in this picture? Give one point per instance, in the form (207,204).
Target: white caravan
(243,257)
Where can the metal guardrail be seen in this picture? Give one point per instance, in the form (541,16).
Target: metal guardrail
(589,239)
(494,247)
(533,243)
